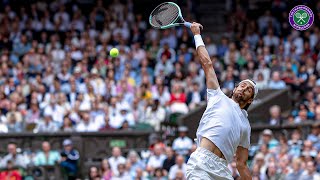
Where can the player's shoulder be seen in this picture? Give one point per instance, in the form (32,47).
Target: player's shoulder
(215,92)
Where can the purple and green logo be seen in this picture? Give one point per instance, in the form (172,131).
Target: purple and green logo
(301,17)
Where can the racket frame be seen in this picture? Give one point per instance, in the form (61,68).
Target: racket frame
(179,17)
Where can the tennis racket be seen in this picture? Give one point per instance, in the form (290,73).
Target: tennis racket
(167,15)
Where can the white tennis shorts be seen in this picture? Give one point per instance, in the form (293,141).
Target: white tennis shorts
(203,164)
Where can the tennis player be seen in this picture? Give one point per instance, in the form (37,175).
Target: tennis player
(224,129)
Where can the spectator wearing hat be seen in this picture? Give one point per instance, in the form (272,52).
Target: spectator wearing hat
(123,115)
(259,161)
(267,138)
(69,159)
(182,144)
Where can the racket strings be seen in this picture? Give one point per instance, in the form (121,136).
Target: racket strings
(164,15)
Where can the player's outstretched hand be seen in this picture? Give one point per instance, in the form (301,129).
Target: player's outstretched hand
(196,28)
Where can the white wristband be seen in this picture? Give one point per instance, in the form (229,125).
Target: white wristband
(198,40)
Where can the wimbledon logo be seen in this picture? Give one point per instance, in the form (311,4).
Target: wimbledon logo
(301,17)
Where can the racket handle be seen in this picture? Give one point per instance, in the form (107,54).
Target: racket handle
(187,24)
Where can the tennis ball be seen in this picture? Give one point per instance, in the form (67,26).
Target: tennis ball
(114,52)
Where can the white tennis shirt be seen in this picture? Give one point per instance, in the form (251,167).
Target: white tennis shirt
(224,123)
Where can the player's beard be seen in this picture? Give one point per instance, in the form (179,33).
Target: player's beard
(239,97)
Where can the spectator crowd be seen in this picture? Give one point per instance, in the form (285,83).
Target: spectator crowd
(56,75)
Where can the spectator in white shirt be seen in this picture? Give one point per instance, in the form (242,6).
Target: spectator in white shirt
(114,107)
(116,159)
(55,110)
(165,65)
(3,127)
(57,54)
(123,173)
(121,117)
(18,159)
(157,159)
(180,165)
(182,144)
(47,125)
(154,115)
(261,82)
(97,83)
(86,125)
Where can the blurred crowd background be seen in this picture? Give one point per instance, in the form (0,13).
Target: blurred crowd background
(56,75)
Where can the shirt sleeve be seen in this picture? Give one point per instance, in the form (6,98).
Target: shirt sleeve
(174,145)
(245,139)
(214,95)
(172,173)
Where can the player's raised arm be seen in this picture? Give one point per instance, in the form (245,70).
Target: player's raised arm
(206,63)
(241,161)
